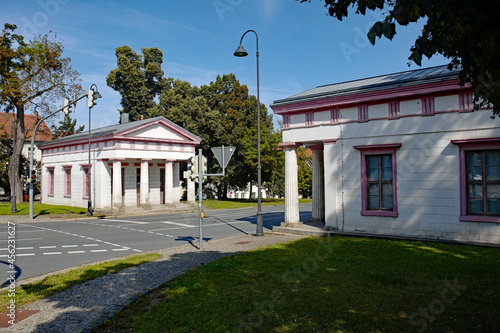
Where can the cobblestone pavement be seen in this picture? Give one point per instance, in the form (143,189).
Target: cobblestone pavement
(84,306)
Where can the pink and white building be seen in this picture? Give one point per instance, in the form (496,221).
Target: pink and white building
(132,164)
(399,155)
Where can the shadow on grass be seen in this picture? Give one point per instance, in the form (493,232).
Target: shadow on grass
(328,285)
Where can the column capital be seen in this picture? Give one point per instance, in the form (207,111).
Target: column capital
(145,159)
(315,147)
(290,144)
(117,159)
(329,142)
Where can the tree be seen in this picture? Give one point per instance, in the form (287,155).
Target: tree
(139,80)
(466,32)
(66,127)
(31,73)
(304,172)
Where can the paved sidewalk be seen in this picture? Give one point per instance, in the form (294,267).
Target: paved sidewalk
(82,307)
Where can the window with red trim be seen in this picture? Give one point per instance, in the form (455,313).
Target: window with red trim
(50,172)
(67,182)
(378,180)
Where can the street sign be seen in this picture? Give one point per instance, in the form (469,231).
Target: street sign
(223,154)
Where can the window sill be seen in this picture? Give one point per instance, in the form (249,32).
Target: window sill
(67,196)
(50,195)
(475,218)
(379,213)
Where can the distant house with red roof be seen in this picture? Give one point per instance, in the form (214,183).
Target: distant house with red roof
(30,120)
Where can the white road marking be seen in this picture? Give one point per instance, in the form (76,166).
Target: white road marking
(27,239)
(51,253)
(125,221)
(90,244)
(93,251)
(73,252)
(69,246)
(121,249)
(80,236)
(48,247)
(25,254)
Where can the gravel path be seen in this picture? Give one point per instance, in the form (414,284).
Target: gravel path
(84,306)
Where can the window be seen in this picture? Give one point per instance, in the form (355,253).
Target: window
(363,113)
(394,110)
(85,182)
(479,179)
(378,180)
(428,106)
(50,191)
(483,182)
(67,182)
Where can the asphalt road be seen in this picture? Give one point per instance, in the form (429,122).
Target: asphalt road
(46,247)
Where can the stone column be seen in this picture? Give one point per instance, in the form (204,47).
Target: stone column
(291,184)
(144,200)
(318,186)
(169,182)
(176,183)
(117,201)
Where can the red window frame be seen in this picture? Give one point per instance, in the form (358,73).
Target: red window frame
(378,150)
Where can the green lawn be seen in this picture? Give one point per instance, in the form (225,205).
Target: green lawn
(337,284)
(62,281)
(39,209)
(244,203)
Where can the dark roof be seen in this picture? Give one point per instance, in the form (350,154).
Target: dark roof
(112,129)
(432,74)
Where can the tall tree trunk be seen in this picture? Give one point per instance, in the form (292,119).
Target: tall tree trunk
(250,194)
(20,137)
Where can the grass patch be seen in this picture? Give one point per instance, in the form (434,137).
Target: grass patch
(337,284)
(39,209)
(244,203)
(60,282)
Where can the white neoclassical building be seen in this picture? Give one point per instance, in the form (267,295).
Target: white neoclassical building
(131,164)
(401,154)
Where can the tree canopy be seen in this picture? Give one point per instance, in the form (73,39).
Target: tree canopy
(32,74)
(467,32)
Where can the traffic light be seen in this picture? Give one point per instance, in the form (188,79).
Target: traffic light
(67,106)
(92,96)
(90,101)
(193,165)
(204,165)
(33,176)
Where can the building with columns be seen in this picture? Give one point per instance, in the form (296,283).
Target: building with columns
(131,164)
(398,155)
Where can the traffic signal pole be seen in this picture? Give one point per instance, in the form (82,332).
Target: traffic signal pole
(32,149)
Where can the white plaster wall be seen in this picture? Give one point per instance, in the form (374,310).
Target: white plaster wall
(428,190)
(378,111)
(349,114)
(322,117)
(446,103)
(410,107)
(297,120)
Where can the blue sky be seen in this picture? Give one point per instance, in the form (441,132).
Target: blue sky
(300,46)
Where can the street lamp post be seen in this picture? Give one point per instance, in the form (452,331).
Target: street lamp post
(241,52)
(93,94)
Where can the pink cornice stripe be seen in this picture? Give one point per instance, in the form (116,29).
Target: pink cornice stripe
(329,141)
(369,97)
(381,146)
(290,144)
(474,141)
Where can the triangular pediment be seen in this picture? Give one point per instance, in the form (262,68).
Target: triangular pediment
(162,130)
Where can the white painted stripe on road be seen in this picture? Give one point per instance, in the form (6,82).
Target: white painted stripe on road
(90,244)
(48,247)
(121,249)
(17,248)
(125,221)
(69,246)
(25,254)
(73,252)
(93,251)
(51,253)
(18,240)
